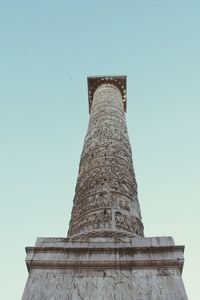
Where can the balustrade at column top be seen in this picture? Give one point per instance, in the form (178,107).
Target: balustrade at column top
(95,81)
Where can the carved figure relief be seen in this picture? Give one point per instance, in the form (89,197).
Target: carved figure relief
(97,220)
(106,170)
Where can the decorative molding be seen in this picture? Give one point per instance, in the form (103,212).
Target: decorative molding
(93,255)
(95,81)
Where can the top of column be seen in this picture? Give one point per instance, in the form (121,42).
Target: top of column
(95,81)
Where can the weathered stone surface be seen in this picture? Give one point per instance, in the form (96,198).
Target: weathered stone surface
(105,202)
(142,268)
(105,256)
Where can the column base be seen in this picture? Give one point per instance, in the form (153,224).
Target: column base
(140,268)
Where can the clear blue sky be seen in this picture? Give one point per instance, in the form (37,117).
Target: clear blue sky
(47,49)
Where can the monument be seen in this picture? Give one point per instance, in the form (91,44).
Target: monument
(105,255)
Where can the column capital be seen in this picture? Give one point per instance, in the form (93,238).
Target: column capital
(95,81)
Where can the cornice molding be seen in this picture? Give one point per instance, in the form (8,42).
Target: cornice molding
(105,258)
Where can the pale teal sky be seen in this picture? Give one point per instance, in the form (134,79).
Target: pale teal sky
(47,49)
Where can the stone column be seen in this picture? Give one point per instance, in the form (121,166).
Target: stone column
(105,255)
(106,202)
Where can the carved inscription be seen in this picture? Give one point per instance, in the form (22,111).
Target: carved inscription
(108,284)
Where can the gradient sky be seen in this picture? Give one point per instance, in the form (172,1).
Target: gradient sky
(47,50)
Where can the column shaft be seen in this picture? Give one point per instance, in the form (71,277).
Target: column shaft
(105,202)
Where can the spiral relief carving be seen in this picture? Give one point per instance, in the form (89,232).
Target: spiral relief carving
(105,200)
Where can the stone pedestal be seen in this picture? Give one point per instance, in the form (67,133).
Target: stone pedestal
(134,269)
